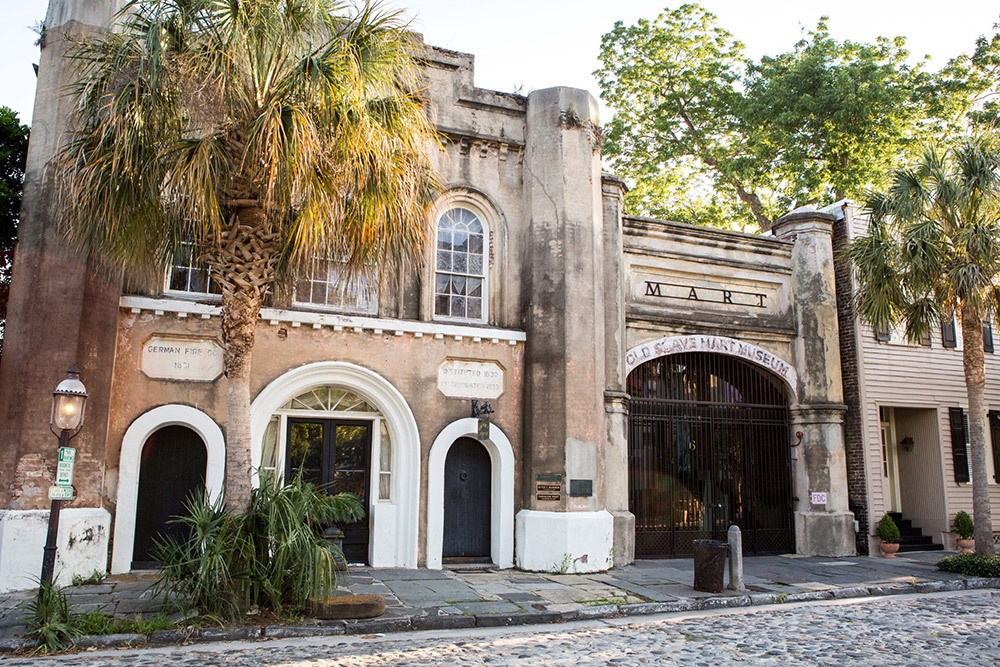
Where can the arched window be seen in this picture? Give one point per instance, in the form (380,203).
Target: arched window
(460,288)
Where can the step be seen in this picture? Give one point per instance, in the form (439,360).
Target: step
(920,547)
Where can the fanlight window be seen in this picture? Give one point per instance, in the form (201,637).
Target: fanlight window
(460,263)
(329,399)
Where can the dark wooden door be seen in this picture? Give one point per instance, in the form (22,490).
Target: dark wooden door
(171,469)
(335,454)
(467,482)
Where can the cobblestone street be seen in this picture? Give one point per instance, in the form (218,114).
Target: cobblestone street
(937,629)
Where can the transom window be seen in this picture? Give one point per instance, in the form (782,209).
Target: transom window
(460,266)
(324,286)
(186,274)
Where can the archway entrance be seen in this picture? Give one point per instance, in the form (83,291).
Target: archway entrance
(708,447)
(171,469)
(467,479)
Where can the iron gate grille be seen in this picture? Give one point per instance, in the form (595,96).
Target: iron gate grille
(708,448)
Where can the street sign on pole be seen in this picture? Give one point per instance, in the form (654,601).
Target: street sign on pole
(64,469)
(60,493)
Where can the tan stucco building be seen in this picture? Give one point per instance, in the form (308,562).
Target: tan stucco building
(651,382)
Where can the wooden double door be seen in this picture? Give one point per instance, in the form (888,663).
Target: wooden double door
(335,454)
(467,508)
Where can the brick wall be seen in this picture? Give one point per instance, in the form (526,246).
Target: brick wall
(853,428)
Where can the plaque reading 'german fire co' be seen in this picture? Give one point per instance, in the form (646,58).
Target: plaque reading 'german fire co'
(179,358)
(548,487)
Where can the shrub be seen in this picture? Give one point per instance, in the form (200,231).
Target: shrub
(963,526)
(273,556)
(49,622)
(96,577)
(887,530)
(96,622)
(971,565)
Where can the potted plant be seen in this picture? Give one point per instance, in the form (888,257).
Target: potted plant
(963,526)
(888,532)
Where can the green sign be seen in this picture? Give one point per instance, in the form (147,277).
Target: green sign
(60,493)
(64,469)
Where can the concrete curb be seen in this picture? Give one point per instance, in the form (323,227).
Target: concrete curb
(446,622)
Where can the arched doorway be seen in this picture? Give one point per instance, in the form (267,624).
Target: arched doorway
(708,448)
(171,468)
(467,513)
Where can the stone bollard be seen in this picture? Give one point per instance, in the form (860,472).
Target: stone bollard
(736,559)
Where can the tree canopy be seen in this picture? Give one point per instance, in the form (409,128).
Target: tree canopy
(709,136)
(13,155)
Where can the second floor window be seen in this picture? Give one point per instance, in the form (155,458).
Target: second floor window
(460,267)
(187,274)
(324,286)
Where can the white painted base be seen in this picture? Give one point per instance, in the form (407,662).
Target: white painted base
(564,541)
(82,545)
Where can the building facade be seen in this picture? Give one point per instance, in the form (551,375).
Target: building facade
(906,427)
(651,382)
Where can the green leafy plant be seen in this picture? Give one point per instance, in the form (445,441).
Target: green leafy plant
(96,622)
(887,530)
(971,565)
(272,557)
(49,622)
(95,578)
(963,526)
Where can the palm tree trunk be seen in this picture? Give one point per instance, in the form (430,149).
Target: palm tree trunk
(242,257)
(240,311)
(975,383)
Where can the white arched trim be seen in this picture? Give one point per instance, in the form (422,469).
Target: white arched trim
(501,498)
(662,347)
(393,522)
(128,468)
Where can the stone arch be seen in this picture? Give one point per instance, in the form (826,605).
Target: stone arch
(502,491)
(128,468)
(662,347)
(394,522)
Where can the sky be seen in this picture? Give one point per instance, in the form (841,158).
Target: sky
(525,45)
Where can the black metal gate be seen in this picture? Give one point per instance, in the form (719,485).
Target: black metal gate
(708,447)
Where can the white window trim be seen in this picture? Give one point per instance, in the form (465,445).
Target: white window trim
(468,204)
(309,305)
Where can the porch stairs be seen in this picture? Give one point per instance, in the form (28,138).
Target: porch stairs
(912,538)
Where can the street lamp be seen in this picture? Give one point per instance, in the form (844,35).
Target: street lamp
(69,403)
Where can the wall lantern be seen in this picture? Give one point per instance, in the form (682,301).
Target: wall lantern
(69,402)
(906,444)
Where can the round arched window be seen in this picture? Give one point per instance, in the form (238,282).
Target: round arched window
(460,266)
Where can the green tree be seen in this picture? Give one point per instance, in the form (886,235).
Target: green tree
(265,131)
(13,155)
(709,136)
(933,250)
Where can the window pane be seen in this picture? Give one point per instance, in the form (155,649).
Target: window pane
(461,241)
(179,279)
(199,281)
(458,306)
(444,260)
(458,285)
(476,265)
(461,264)
(475,308)
(444,239)
(476,243)
(384,486)
(441,284)
(441,305)
(475,287)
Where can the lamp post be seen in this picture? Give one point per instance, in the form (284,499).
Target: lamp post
(69,402)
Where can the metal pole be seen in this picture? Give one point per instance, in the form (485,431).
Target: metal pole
(49,559)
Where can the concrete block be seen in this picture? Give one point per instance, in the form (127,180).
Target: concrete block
(598,611)
(725,602)
(939,586)
(808,596)
(578,542)
(850,592)
(228,634)
(974,583)
(286,631)
(104,641)
(347,606)
(528,618)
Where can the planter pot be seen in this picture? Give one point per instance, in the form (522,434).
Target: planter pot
(966,546)
(888,550)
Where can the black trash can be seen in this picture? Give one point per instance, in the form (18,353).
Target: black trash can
(710,565)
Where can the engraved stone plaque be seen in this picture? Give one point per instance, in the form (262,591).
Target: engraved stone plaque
(179,358)
(461,378)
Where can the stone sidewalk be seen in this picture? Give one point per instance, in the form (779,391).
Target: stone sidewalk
(469,597)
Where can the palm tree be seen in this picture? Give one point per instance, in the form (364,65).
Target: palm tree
(933,250)
(266,133)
